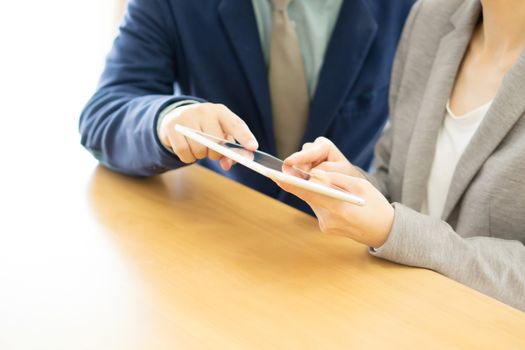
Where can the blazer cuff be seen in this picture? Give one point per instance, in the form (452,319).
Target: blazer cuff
(414,240)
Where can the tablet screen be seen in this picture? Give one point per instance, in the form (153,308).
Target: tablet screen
(270,166)
(259,157)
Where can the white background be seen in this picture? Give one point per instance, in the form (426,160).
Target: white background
(52,250)
(51,55)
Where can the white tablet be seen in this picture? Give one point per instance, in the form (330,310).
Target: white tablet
(267,165)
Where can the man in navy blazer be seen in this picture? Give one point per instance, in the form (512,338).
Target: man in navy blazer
(170,53)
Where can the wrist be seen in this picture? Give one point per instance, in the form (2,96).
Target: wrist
(165,112)
(387,222)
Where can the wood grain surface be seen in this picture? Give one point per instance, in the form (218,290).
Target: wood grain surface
(191,260)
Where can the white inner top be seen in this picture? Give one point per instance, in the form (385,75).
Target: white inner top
(454,136)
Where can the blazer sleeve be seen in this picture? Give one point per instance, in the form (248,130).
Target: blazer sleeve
(379,176)
(493,266)
(118,125)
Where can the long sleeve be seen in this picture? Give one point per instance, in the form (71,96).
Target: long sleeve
(493,266)
(119,124)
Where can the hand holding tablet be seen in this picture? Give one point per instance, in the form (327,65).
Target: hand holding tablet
(267,165)
(211,118)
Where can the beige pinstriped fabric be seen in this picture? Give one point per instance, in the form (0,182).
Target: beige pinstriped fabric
(288,88)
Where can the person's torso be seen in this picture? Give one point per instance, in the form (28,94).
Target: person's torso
(487,191)
(219,57)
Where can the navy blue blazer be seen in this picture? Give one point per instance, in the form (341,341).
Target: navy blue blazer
(171,50)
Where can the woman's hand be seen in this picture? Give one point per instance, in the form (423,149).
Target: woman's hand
(370,224)
(322,154)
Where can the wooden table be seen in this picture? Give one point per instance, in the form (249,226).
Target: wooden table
(191,260)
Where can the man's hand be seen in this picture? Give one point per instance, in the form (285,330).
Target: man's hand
(213,119)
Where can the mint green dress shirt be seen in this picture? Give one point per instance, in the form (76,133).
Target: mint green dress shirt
(314,23)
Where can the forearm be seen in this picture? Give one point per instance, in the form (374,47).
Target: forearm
(120,129)
(495,267)
(119,123)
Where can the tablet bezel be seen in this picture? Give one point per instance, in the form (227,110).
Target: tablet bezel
(268,172)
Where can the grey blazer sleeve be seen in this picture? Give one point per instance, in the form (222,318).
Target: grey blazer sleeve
(493,266)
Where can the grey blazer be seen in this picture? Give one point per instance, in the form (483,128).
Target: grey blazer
(480,238)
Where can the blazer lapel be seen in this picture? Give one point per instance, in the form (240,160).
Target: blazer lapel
(506,109)
(351,40)
(240,25)
(430,118)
